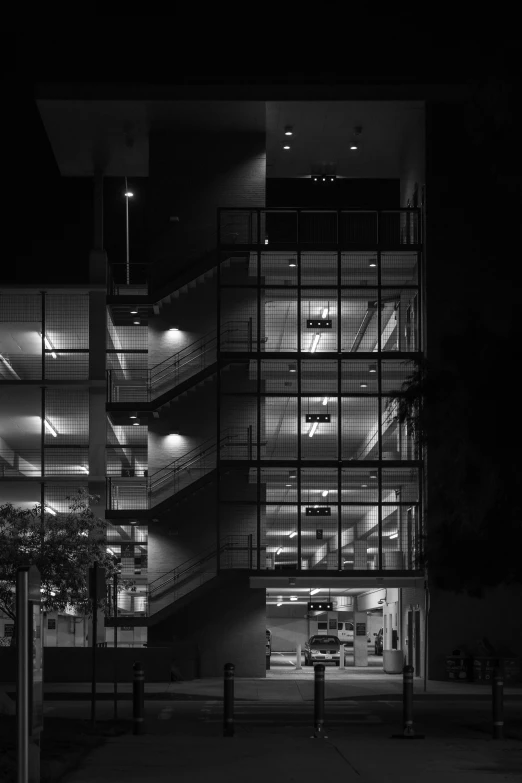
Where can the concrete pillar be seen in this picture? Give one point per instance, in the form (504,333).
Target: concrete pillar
(360,644)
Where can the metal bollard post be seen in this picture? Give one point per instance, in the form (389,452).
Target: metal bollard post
(298,657)
(407,706)
(341,656)
(228,701)
(498,706)
(138,697)
(319,703)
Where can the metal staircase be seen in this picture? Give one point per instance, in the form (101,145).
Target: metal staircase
(234,552)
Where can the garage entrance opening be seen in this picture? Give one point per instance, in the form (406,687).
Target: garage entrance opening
(378,628)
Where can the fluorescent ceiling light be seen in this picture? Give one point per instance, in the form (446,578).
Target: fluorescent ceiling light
(50,428)
(353,146)
(266,241)
(292,534)
(394,535)
(129,193)
(347,561)
(286,147)
(372,368)
(83,468)
(313,429)
(280,603)
(173,328)
(132,416)
(315,342)
(364,385)
(288,485)
(315,590)
(134,312)
(136,323)
(324,493)
(293,597)
(289,130)
(135,424)
(324,314)
(50,510)
(292,262)
(325,401)
(279,550)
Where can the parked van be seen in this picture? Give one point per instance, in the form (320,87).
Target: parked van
(344,631)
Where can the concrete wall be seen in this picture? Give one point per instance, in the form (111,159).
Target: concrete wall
(190,176)
(227,622)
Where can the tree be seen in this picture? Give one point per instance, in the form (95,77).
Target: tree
(63,547)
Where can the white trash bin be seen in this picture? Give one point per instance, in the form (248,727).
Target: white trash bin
(393,661)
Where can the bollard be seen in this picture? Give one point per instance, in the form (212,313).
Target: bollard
(498,706)
(138,696)
(407,706)
(341,656)
(298,657)
(319,702)
(228,701)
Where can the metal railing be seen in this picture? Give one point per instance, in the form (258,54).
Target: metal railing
(142,493)
(233,552)
(128,385)
(343,228)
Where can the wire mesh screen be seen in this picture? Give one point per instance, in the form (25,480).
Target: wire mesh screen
(359,376)
(279,427)
(319,269)
(398,269)
(401,227)
(19,463)
(239,377)
(127,461)
(238,427)
(238,484)
(279,268)
(360,428)
(359,485)
(237,227)
(319,437)
(360,537)
(56,496)
(279,485)
(359,269)
(318,228)
(319,377)
(318,320)
(319,537)
(66,416)
(395,374)
(124,338)
(238,269)
(20,308)
(67,320)
(279,376)
(359,320)
(66,366)
(66,461)
(319,486)
(278,539)
(397,437)
(399,320)
(279,227)
(20,367)
(357,228)
(126,435)
(127,377)
(402,482)
(238,319)
(237,535)
(279,322)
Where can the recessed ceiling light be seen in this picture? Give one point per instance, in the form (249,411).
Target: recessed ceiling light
(288,130)
(293,598)
(286,147)
(372,368)
(173,328)
(364,385)
(136,323)
(135,424)
(364,486)
(373,475)
(353,146)
(373,262)
(134,312)
(288,485)
(292,262)
(324,493)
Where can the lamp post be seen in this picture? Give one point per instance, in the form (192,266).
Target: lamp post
(128,195)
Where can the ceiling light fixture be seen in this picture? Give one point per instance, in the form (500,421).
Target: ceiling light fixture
(133,416)
(279,550)
(292,474)
(266,241)
(289,130)
(136,323)
(49,427)
(286,147)
(48,345)
(292,368)
(50,510)
(373,262)
(292,534)
(135,424)
(373,475)
(173,328)
(313,429)
(324,314)
(315,342)
(372,368)
(315,591)
(394,535)
(325,401)
(134,312)
(293,597)
(324,493)
(128,194)
(280,603)
(288,485)
(292,262)
(364,385)
(364,486)
(83,468)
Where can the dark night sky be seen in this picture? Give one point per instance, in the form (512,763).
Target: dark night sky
(53,216)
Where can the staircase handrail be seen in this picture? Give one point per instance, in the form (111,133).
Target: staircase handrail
(180,571)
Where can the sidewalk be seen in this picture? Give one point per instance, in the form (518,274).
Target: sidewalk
(338,686)
(281,759)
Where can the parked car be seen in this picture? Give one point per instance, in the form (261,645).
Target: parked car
(378,642)
(323,648)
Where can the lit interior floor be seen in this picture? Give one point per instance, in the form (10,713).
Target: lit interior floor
(283,664)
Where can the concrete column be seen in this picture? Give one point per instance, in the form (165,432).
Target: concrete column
(360,644)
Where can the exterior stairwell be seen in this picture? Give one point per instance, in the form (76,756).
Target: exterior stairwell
(172,591)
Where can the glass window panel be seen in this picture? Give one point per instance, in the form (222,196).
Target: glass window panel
(317,227)
(238,535)
(359,321)
(238,427)
(358,228)
(359,269)
(319,269)
(360,376)
(399,320)
(360,428)
(278,320)
(239,377)
(278,545)
(319,439)
(321,306)
(279,485)
(238,319)
(67,416)
(400,537)
(319,486)
(238,484)
(399,268)
(394,374)
(400,485)
(67,321)
(279,428)
(279,227)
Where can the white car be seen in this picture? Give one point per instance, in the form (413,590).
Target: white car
(345,632)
